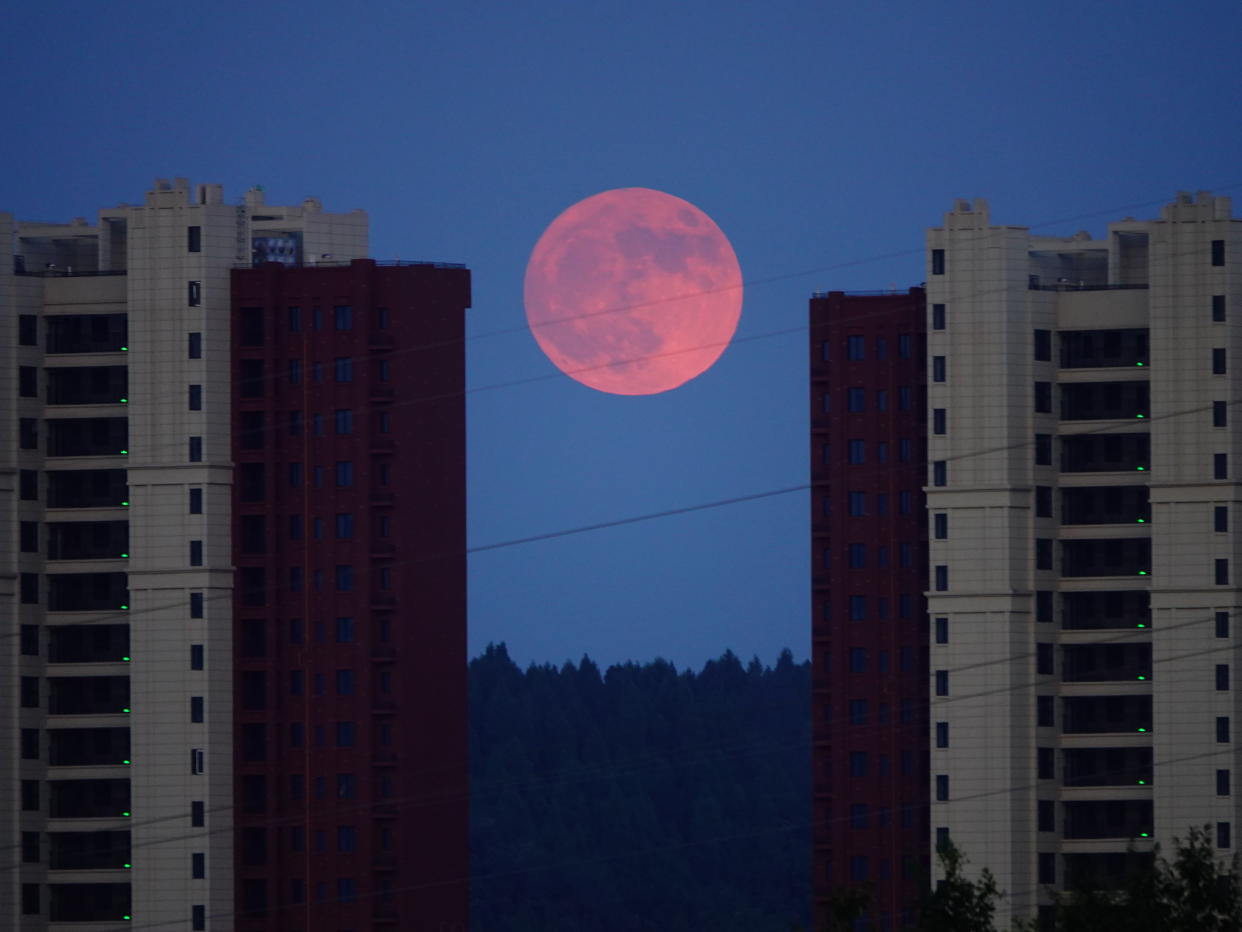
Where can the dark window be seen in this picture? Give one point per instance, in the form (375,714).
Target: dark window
(196,656)
(859,815)
(938,421)
(196,501)
(940,526)
(937,261)
(250,326)
(194,239)
(857,556)
(1045,711)
(344,682)
(344,578)
(253,427)
(1043,397)
(938,369)
(1046,763)
(942,734)
(344,420)
(1223,835)
(940,473)
(250,373)
(1043,553)
(384,370)
(195,400)
(197,814)
(903,398)
(1043,449)
(1220,517)
(196,709)
(28,381)
(904,344)
(1222,676)
(858,608)
(1218,258)
(343,317)
(1220,465)
(1218,361)
(28,481)
(345,786)
(30,795)
(295,319)
(29,583)
(344,473)
(1222,572)
(196,449)
(194,293)
(1222,729)
(942,682)
(858,711)
(28,433)
(30,899)
(937,317)
(29,536)
(942,630)
(344,630)
(1222,783)
(30,640)
(1043,345)
(1222,624)
(855,348)
(942,578)
(1047,870)
(343,368)
(196,553)
(346,733)
(30,743)
(857,504)
(942,787)
(1220,416)
(856,400)
(858,763)
(858,660)
(1043,501)
(1044,659)
(27,330)
(196,605)
(1218,308)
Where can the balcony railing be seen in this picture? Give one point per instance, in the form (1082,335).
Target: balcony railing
(1065,285)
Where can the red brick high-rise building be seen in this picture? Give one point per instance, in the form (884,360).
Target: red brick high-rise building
(869,622)
(350,603)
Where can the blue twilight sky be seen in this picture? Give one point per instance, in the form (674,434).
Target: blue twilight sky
(816,134)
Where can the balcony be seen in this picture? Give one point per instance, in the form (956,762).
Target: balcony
(77,851)
(1112,504)
(1114,818)
(91,436)
(87,488)
(87,592)
(88,747)
(1107,767)
(88,799)
(1100,349)
(1104,401)
(1106,663)
(88,385)
(87,540)
(86,333)
(1095,715)
(1127,608)
(1126,556)
(1105,452)
(87,695)
(89,902)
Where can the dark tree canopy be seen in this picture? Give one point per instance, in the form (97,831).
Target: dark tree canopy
(640,798)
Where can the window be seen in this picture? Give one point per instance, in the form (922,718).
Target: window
(942,630)
(1218,308)
(253,425)
(937,261)
(344,473)
(942,787)
(1043,449)
(346,838)
(903,449)
(196,501)
(384,369)
(194,239)
(938,369)
(196,709)
(30,899)
(881,400)
(942,734)
(937,317)
(858,711)
(344,682)
(857,556)
(859,815)
(858,660)
(30,640)
(29,536)
(938,421)
(1222,729)
(1043,346)
(1223,839)
(858,764)
(1044,659)
(1218,361)
(903,398)
(317,425)
(942,682)
(1220,517)
(904,344)
(856,399)
(295,319)
(196,449)
(343,317)
(881,504)
(1222,783)
(317,372)
(1043,397)
(858,608)
(30,795)
(1043,501)
(940,526)
(940,473)
(857,452)
(345,734)
(345,786)
(29,583)
(30,745)
(942,578)
(297,682)
(1222,676)
(1047,872)
(881,452)
(857,504)
(196,656)
(198,816)
(316,318)
(195,401)
(28,433)
(27,330)
(197,764)
(344,578)
(1222,572)
(1220,416)
(1220,465)
(28,480)
(196,553)
(343,369)
(1045,763)
(1045,711)
(28,382)
(1043,605)
(1043,553)
(196,605)
(344,420)
(855,348)
(1218,258)
(194,293)
(30,692)
(317,477)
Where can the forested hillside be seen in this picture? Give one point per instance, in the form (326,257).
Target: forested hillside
(643,798)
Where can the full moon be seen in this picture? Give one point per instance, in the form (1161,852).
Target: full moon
(633,291)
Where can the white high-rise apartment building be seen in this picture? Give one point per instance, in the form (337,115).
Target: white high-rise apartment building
(116,567)
(1085,471)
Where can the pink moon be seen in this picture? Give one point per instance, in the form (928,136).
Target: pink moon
(633,292)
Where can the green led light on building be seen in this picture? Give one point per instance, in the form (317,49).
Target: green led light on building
(125,813)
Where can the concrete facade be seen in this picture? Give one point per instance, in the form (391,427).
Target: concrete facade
(116,565)
(1083,487)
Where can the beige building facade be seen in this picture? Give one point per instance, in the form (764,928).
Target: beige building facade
(116,570)
(1084,466)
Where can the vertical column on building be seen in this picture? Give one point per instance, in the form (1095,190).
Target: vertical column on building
(981,568)
(181,248)
(1196,493)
